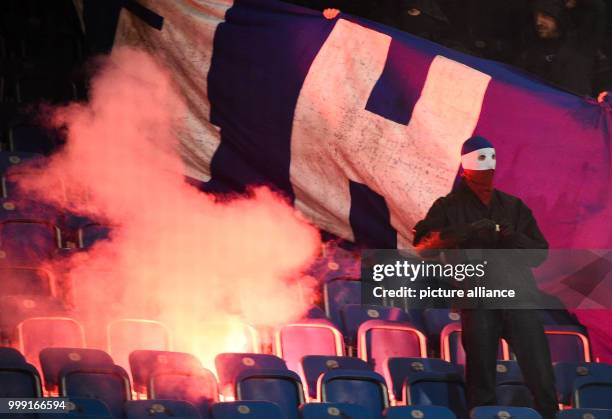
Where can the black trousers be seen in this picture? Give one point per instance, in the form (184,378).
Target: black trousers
(523,330)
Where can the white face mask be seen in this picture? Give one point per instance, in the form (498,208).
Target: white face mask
(483,159)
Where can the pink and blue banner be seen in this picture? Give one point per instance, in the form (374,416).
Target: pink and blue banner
(360,125)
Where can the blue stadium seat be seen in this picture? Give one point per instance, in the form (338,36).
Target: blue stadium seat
(510,387)
(88,407)
(10,185)
(333,411)
(28,242)
(309,337)
(353,315)
(11,356)
(25,208)
(282,387)
(66,416)
(593,391)
(145,409)
(437,389)
(63,47)
(143,363)
(91,233)
(424,412)
(379,340)
(436,318)
(33,89)
(230,365)
(13,160)
(367,389)
(312,366)
(31,139)
(567,372)
(398,369)
(198,387)
(497,412)
(246,409)
(53,360)
(568,344)
(108,384)
(315,312)
(337,293)
(585,414)
(17,377)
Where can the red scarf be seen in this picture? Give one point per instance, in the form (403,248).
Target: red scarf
(481,183)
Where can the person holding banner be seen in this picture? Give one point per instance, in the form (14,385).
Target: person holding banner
(475,215)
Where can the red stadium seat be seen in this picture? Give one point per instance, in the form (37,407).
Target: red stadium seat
(315,337)
(37,333)
(126,335)
(379,340)
(10,182)
(28,242)
(568,344)
(451,348)
(353,315)
(27,280)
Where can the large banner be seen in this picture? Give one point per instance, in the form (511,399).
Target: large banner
(360,125)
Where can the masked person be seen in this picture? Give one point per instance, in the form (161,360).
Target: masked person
(475,215)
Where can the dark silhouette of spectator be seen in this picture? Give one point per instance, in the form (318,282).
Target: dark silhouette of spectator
(556,52)
(588,18)
(494,27)
(426,19)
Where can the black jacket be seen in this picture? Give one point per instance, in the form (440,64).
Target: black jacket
(564,62)
(451,218)
(567,61)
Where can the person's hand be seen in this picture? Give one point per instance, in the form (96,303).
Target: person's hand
(331,13)
(485,224)
(484,232)
(506,229)
(602,97)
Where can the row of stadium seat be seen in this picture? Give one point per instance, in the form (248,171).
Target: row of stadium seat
(377,339)
(160,375)
(33,88)
(442,327)
(371,332)
(24,137)
(145,409)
